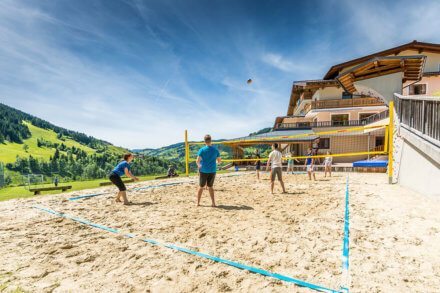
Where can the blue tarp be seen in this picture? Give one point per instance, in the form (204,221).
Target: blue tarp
(371,164)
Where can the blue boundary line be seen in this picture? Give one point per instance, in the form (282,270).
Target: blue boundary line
(140,188)
(196,253)
(346,241)
(135,188)
(156,186)
(87,196)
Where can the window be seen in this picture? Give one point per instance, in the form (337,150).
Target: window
(417,89)
(340,119)
(324,143)
(380,140)
(346,95)
(363,116)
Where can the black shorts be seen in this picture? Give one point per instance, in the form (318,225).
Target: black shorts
(258,167)
(206,179)
(116,180)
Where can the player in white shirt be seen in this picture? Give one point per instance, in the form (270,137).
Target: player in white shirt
(275,164)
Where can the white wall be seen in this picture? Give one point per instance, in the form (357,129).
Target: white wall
(328,93)
(417,172)
(385,86)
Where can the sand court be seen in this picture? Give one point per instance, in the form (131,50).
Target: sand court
(298,234)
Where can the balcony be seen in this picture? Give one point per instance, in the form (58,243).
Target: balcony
(309,125)
(346,123)
(343,103)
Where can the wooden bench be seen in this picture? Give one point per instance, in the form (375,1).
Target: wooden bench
(110,183)
(37,191)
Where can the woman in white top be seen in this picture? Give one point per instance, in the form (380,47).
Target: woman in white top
(328,164)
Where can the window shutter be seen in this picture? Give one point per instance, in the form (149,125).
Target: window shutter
(423,89)
(411,89)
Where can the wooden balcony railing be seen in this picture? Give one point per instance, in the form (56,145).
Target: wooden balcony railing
(379,148)
(310,124)
(307,125)
(345,103)
(341,103)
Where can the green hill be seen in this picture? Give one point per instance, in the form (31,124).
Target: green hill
(30,145)
(10,150)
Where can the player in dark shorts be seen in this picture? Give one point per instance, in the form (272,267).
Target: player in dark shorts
(258,163)
(207,159)
(115,177)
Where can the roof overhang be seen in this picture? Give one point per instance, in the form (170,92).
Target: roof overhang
(411,66)
(309,87)
(414,45)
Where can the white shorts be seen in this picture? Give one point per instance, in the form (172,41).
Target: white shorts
(328,164)
(310,168)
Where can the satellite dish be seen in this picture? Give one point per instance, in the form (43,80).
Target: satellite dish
(249,81)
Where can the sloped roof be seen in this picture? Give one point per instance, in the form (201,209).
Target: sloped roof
(414,45)
(311,86)
(411,66)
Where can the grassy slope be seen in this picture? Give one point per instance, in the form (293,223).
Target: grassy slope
(8,151)
(22,192)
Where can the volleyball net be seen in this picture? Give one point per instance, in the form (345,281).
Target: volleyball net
(353,143)
(341,142)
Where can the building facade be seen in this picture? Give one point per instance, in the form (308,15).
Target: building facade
(357,93)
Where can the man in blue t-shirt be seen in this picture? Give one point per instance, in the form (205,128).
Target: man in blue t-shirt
(207,159)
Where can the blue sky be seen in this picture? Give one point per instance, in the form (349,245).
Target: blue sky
(137,73)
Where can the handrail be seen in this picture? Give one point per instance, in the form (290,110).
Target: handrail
(418,97)
(310,124)
(421,113)
(378,116)
(379,148)
(341,103)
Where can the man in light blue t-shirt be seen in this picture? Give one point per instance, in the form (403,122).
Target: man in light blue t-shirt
(207,159)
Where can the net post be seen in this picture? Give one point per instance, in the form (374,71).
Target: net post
(390,143)
(387,131)
(186,154)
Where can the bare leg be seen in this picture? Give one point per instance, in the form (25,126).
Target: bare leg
(272,183)
(211,194)
(124,197)
(258,174)
(199,195)
(330,171)
(118,197)
(310,175)
(314,177)
(282,185)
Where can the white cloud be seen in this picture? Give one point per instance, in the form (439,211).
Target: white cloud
(385,24)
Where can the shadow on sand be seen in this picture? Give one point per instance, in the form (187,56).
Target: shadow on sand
(232,208)
(293,192)
(143,204)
